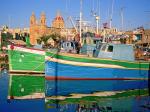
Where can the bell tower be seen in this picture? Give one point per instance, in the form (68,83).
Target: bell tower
(43,19)
(32,19)
(33,26)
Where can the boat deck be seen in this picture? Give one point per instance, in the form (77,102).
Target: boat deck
(74,55)
(142,59)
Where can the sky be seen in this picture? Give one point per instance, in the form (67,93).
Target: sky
(136,13)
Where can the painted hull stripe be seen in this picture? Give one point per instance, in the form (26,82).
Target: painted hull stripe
(83,64)
(26,71)
(29,50)
(104,59)
(72,78)
(47,58)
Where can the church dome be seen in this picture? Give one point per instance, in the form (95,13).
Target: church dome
(59,18)
(58,21)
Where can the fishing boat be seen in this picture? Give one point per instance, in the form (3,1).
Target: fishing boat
(105,61)
(26,60)
(109,62)
(26,72)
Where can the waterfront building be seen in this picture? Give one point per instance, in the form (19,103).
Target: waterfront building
(146,37)
(58,21)
(139,36)
(39,29)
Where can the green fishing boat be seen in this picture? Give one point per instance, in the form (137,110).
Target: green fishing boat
(26,60)
(26,73)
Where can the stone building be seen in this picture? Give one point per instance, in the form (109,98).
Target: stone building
(146,37)
(39,28)
(130,39)
(139,37)
(58,22)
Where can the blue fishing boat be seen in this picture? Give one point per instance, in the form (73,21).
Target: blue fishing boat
(108,62)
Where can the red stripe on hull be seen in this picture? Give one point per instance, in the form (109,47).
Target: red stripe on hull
(25,72)
(72,78)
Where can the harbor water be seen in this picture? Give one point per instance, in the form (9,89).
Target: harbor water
(66,88)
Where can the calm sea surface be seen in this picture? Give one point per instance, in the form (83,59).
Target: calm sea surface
(68,87)
(89,86)
(17,105)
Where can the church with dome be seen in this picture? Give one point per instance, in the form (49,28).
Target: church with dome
(39,28)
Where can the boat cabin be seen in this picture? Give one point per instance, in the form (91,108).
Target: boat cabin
(87,49)
(114,51)
(68,47)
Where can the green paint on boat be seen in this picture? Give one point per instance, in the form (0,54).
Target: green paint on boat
(26,85)
(126,64)
(20,60)
(89,99)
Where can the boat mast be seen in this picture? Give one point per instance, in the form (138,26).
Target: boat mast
(96,15)
(122,20)
(97,23)
(112,8)
(80,21)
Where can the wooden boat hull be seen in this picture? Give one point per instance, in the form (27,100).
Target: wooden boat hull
(26,73)
(73,67)
(26,60)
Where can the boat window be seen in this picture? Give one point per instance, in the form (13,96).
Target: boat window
(104,47)
(67,44)
(110,48)
(63,44)
(72,45)
(95,42)
(84,41)
(98,46)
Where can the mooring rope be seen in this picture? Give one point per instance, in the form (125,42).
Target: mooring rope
(42,62)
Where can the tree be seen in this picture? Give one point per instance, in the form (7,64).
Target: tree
(56,38)
(6,36)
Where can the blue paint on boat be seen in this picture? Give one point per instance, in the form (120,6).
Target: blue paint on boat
(65,87)
(115,51)
(70,71)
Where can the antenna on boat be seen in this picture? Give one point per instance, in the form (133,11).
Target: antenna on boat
(97,23)
(96,15)
(112,8)
(80,20)
(99,11)
(122,20)
(9,21)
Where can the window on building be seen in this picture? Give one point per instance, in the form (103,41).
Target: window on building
(146,36)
